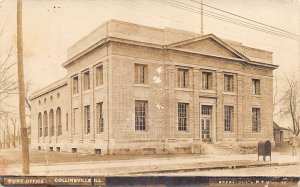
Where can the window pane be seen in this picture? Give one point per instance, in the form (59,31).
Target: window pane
(99,75)
(182,116)
(140,73)
(183,78)
(255,119)
(228,118)
(140,115)
(228,83)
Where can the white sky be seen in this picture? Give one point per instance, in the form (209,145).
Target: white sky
(49,31)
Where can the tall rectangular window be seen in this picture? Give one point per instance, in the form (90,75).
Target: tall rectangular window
(255,86)
(207,81)
(86,80)
(140,73)
(100,119)
(228,118)
(255,119)
(183,116)
(99,75)
(75,85)
(183,78)
(140,115)
(228,83)
(87,119)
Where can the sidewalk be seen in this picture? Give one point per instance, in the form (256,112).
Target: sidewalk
(155,165)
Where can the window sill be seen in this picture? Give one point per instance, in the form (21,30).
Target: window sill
(86,91)
(182,131)
(184,89)
(258,96)
(140,131)
(141,85)
(99,87)
(208,91)
(229,93)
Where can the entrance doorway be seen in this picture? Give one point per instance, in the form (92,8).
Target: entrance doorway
(206,113)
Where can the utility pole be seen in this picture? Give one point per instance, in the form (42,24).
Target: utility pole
(21,86)
(202,29)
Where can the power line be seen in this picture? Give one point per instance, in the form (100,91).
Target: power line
(243,17)
(228,19)
(223,16)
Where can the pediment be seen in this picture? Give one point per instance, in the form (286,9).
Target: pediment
(209,45)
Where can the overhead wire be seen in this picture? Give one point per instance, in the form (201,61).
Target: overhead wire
(227,12)
(227,19)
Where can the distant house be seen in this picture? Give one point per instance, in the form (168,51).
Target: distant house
(281,134)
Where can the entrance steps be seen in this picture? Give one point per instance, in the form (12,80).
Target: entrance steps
(223,148)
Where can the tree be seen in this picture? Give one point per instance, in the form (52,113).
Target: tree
(291,103)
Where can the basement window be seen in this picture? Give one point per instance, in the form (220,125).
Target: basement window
(97,152)
(74,150)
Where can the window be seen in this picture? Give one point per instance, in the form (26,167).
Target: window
(99,75)
(45,124)
(86,80)
(206,110)
(255,86)
(182,116)
(40,125)
(100,120)
(87,119)
(67,122)
(228,118)
(140,73)
(58,121)
(228,83)
(207,81)
(51,122)
(140,115)
(255,119)
(75,85)
(183,78)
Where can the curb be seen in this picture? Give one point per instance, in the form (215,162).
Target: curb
(205,168)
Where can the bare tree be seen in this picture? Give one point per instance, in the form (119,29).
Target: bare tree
(291,103)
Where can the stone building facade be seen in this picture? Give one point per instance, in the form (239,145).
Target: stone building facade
(136,89)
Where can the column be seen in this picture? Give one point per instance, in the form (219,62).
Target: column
(219,105)
(239,107)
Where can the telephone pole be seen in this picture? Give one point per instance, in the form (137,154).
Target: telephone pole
(202,29)
(21,86)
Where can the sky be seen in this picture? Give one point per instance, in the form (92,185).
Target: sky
(51,26)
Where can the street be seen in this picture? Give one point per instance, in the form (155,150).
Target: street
(58,163)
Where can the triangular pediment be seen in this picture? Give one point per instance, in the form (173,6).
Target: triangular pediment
(209,45)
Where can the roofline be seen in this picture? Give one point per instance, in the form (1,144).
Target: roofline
(217,39)
(162,47)
(44,90)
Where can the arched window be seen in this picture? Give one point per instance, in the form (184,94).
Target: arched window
(45,121)
(58,121)
(51,122)
(40,131)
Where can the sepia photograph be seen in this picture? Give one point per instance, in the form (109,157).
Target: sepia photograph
(150,92)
